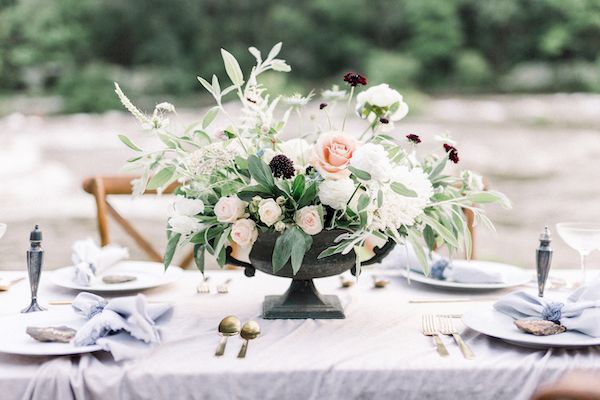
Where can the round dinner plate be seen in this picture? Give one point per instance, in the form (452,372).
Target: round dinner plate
(485,319)
(14,339)
(515,276)
(149,275)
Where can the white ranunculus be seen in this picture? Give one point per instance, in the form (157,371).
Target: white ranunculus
(298,150)
(372,158)
(189,207)
(309,220)
(230,209)
(336,193)
(184,225)
(243,232)
(384,97)
(269,211)
(397,209)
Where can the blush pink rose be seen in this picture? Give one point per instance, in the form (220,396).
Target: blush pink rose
(332,154)
(243,232)
(309,220)
(230,209)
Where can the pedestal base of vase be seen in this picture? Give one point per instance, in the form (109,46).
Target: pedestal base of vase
(302,301)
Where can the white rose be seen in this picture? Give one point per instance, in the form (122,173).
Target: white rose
(184,206)
(384,97)
(309,219)
(298,150)
(184,225)
(230,209)
(372,158)
(269,211)
(243,232)
(336,193)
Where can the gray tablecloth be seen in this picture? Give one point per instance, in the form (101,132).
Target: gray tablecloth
(377,352)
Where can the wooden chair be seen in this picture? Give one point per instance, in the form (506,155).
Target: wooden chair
(101,187)
(573,386)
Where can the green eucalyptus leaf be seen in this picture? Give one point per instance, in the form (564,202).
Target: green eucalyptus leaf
(199,257)
(162,177)
(403,190)
(210,117)
(360,174)
(489,197)
(171,247)
(308,196)
(298,187)
(282,250)
(232,68)
(441,230)
(418,248)
(129,143)
(261,172)
(301,243)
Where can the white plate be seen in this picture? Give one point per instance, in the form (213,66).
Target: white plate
(149,275)
(14,340)
(485,319)
(515,276)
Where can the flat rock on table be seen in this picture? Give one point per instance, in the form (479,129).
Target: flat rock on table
(539,327)
(61,334)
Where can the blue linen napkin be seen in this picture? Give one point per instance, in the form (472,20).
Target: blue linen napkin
(90,260)
(124,326)
(404,256)
(580,312)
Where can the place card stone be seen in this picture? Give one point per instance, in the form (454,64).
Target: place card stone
(112,279)
(539,327)
(61,334)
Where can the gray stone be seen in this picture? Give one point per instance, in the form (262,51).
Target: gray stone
(111,279)
(61,334)
(539,327)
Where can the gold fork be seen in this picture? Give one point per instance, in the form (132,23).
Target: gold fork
(428,327)
(5,285)
(204,287)
(224,287)
(447,327)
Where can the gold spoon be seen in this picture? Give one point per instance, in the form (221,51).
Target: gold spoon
(346,283)
(229,326)
(250,331)
(380,283)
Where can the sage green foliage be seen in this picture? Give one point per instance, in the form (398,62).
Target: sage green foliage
(71,47)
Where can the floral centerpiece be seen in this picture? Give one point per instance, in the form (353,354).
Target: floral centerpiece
(241,180)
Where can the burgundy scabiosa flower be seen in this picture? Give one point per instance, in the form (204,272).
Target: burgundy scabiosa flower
(452,153)
(355,79)
(282,167)
(413,138)
(384,120)
(322,106)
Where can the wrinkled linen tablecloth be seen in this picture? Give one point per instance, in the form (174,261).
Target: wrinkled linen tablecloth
(377,352)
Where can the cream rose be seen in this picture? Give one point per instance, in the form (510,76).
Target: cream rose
(184,225)
(384,97)
(332,154)
(243,232)
(230,209)
(309,219)
(372,158)
(269,211)
(336,193)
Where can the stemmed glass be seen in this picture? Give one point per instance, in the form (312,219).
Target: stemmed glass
(581,236)
(2,230)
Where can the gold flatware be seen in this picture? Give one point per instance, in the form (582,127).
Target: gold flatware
(450,299)
(428,328)
(455,316)
(448,328)
(203,287)
(229,326)
(69,302)
(224,287)
(346,283)
(380,283)
(5,285)
(249,331)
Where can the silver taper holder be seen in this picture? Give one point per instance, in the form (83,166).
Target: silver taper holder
(543,260)
(35,260)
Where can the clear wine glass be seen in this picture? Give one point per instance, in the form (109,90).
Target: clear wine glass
(2,230)
(581,236)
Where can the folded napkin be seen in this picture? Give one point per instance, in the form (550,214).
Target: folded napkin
(90,260)
(440,267)
(125,326)
(580,312)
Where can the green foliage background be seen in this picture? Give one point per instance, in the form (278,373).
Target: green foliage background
(76,48)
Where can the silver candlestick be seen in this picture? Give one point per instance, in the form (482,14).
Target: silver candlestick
(543,260)
(35,260)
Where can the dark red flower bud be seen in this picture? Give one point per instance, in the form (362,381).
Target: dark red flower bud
(452,153)
(322,106)
(384,120)
(354,79)
(413,138)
